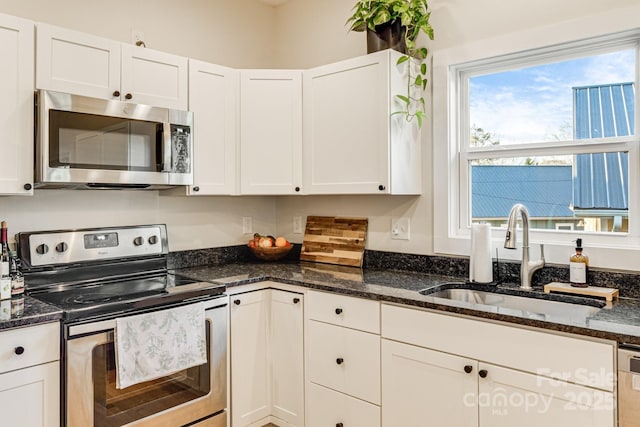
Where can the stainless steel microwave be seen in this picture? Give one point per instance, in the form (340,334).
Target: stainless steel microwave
(89,143)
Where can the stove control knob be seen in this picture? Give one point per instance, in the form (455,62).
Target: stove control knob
(62,247)
(138,241)
(153,240)
(42,249)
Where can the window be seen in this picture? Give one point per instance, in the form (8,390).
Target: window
(552,129)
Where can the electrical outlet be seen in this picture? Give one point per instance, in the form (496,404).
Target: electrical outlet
(400,228)
(137,36)
(297,225)
(247,227)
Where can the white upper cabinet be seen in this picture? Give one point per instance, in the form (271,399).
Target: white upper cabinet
(154,78)
(16,105)
(271,131)
(352,142)
(83,64)
(213,99)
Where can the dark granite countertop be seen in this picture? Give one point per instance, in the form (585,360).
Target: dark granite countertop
(27,312)
(619,320)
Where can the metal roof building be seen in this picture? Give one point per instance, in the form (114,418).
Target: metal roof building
(601,180)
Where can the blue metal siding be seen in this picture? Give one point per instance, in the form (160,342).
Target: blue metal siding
(545,190)
(601,180)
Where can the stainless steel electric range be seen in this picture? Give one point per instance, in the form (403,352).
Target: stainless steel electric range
(98,275)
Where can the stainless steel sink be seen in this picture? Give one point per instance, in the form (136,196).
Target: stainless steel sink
(514,301)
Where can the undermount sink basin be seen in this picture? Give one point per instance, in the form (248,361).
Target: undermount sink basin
(516,301)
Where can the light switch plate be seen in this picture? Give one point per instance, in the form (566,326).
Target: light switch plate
(247,226)
(400,228)
(297,225)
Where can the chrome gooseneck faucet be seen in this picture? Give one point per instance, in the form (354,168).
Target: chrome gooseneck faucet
(527,268)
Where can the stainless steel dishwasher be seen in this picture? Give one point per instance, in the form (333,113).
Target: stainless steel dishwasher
(629,386)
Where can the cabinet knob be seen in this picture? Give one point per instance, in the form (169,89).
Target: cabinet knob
(296,300)
(381,187)
(128,96)
(196,188)
(297,189)
(27,186)
(339,360)
(339,425)
(116,93)
(236,302)
(483,373)
(338,310)
(18,350)
(468,369)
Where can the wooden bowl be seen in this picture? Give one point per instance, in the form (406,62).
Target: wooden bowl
(273,253)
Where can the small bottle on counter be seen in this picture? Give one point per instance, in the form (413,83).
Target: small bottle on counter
(578,266)
(17,279)
(5,278)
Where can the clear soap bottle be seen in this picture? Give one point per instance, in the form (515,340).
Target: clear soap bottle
(578,266)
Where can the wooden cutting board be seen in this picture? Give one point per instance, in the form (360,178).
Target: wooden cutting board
(334,240)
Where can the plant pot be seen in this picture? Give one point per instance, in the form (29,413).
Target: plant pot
(389,35)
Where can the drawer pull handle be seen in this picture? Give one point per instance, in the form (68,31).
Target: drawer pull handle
(18,350)
(338,310)
(483,373)
(236,302)
(339,425)
(339,360)
(296,300)
(468,369)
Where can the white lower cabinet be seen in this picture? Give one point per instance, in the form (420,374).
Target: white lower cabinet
(266,336)
(30,376)
(328,408)
(424,387)
(430,386)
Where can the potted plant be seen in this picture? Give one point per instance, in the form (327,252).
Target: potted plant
(396,24)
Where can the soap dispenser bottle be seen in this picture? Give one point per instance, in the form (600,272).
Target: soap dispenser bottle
(578,265)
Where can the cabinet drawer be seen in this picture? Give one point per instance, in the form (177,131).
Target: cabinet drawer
(355,313)
(571,358)
(328,408)
(345,360)
(30,346)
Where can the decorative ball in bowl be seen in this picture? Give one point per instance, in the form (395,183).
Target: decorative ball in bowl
(273,253)
(269,248)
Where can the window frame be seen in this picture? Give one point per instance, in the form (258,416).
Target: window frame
(452,217)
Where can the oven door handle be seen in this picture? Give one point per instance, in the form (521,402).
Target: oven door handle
(110,325)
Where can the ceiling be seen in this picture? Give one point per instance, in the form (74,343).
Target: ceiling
(273,2)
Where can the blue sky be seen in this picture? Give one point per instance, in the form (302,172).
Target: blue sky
(536,103)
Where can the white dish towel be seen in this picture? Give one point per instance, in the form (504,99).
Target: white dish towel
(160,343)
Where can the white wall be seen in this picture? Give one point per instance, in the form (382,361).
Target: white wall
(238,33)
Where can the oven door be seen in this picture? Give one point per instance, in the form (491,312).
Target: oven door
(92,398)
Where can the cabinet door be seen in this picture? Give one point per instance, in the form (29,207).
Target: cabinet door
(77,63)
(510,398)
(271,131)
(346,126)
(345,360)
(422,387)
(154,78)
(213,99)
(286,343)
(328,408)
(250,376)
(30,397)
(16,105)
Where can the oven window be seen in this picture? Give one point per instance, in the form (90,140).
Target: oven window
(116,407)
(89,141)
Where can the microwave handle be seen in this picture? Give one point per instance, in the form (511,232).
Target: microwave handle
(166,148)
